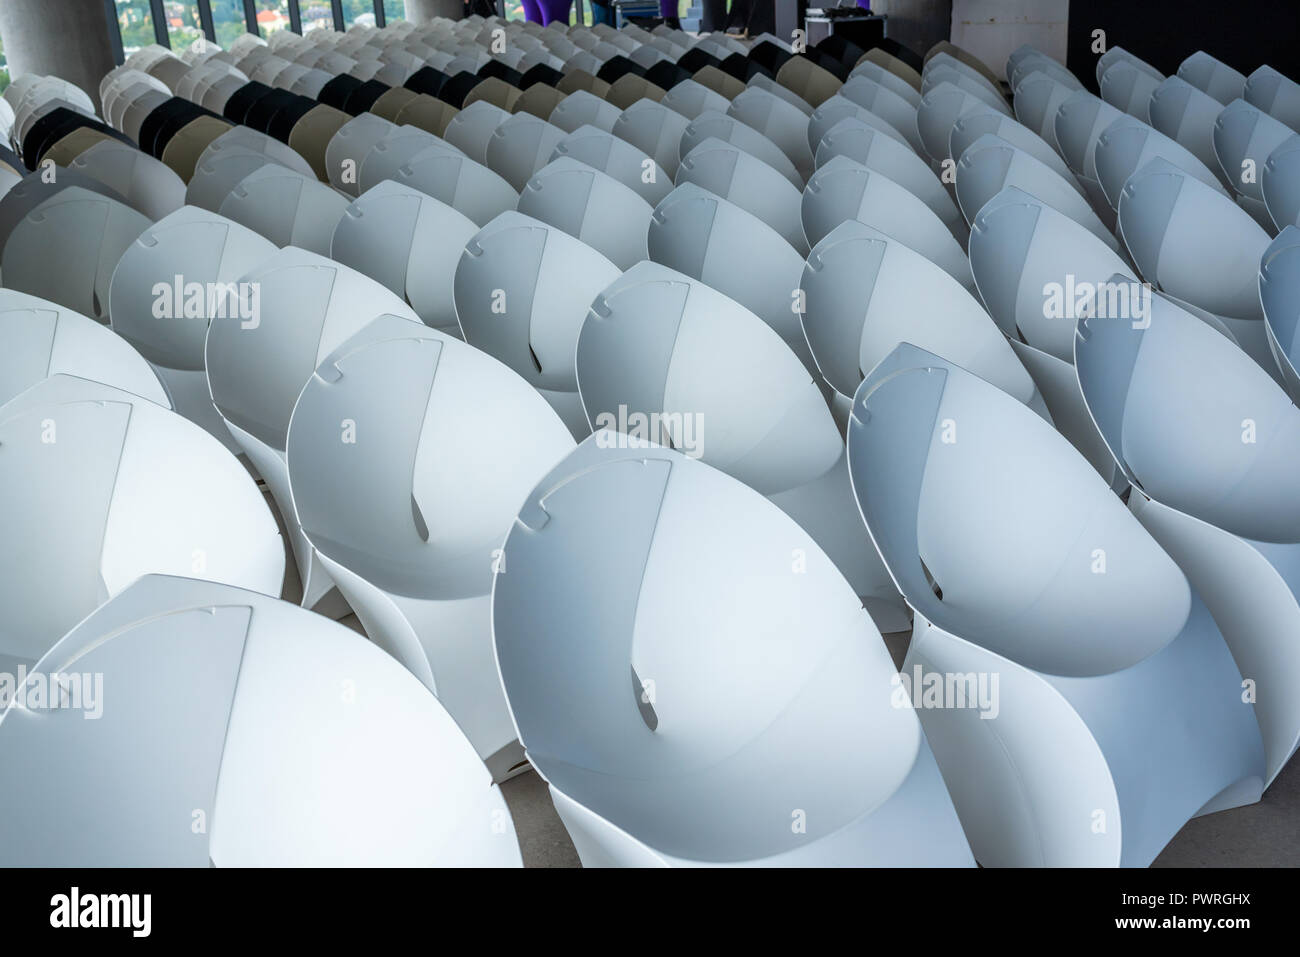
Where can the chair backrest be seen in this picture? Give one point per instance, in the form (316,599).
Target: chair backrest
(1192,420)
(1058,577)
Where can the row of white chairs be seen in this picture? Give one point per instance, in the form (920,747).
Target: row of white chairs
(987,441)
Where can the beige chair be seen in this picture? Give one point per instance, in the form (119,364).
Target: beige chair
(629,88)
(183,151)
(893,65)
(813,83)
(312,134)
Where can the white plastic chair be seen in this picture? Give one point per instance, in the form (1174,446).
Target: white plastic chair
(460,182)
(348,148)
(702,235)
(1035,268)
(43,339)
(1186,114)
(1195,243)
(867,145)
(843,189)
(590,205)
(689,99)
(669,358)
(104,486)
(286,207)
(396,150)
(888,104)
(1180,408)
(838,108)
(1279,293)
(471,128)
(1128,144)
(169,285)
(521,146)
(656,130)
(411,243)
(581,108)
(90,232)
(971,126)
(617,158)
(522,289)
(277,737)
(1213,77)
(991,163)
(1279,182)
(308,306)
(1080,121)
(1275,94)
(704,706)
(147,185)
(1118,705)
(717,125)
(408,453)
(1128,88)
(867,292)
(784,124)
(940,108)
(1038,98)
(1244,137)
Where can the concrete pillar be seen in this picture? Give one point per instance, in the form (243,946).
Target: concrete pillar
(63,38)
(422,11)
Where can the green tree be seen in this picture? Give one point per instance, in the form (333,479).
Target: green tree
(136,23)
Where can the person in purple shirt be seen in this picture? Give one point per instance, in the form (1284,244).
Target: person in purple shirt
(544,11)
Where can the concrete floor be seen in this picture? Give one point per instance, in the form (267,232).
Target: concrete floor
(1266,834)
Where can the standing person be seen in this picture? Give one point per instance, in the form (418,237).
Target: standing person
(668,10)
(545,11)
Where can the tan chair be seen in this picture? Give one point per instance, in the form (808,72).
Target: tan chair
(427,113)
(894,65)
(312,134)
(970,59)
(63,152)
(806,79)
(183,152)
(496,91)
(539,99)
(576,80)
(629,88)
(724,83)
(392,103)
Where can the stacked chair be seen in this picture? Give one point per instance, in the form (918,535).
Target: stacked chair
(621,388)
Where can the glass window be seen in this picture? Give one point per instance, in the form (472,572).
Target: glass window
(182,24)
(272,16)
(228,21)
(316,15)
(358,11)
(394,10)
(4,68)
(135,20)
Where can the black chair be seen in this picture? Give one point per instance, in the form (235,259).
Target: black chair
(617,66)
(540,73)
(426,80)
(364,96)
(242,100)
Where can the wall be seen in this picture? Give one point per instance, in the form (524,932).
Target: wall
(992,29)
(917,24)
(1243,34)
